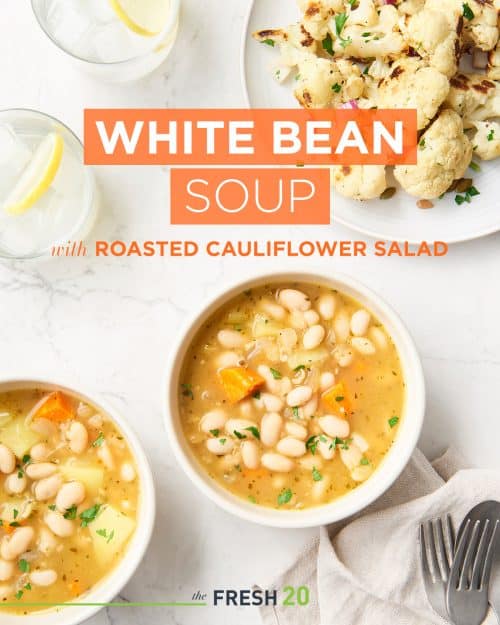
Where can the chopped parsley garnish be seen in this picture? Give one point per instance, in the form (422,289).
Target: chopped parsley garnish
(469,194)
(256,395)
(187,390)
(254,431)
(474,166)
(15,524)
(491,135)
(52,507)
(215,433)
(328,44)
(366,70)
(345,42)
(364,462)
(339,398)
(89,515)
(337,88)
(317,477)
(27,587)
(70,513)
(312,444)
(24,566)
(26,459)
(284,497)
(393,421)
(109,537)
(468,13)
(222,441)
(252,499)
(19,594)
(15,513)
(366,34)
(99,441)
(20,473)
(300,367)
(422,143)
(276,374)
(239,434)
(269,42)
(340,21)
(295,411)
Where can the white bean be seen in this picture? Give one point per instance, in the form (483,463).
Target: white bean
(58,525)
(39,452)
(47,542)
(326,306)
(84,411)
(327,380)
(313,337)
(7,459)
(379,337)
(311,317)
(47,488)
(291,447)
(241,426)
(220,446)
(246,408)
(40,470)
(213,420)
(326,447)
(16,544)
(342,326)
(351,456)
(364,346)
(294,300)
(69,495)
(15,484)
(96,421)
(299,396)
(309,409)
(360,441)
(127,472)
(334,426)
(272,403)
(296,430)
(6,570)
(360,322)
(361,473)
(277,387)
(46,577)
(44,427)
(231,339)
(78,437)
(227,359)
(277,462)
(311,462)
(273,310)
(318,490)
(105,455)
(344,356)
(250,454)
(270,428)
(297,320)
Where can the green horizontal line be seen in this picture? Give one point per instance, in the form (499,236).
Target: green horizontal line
(123,604)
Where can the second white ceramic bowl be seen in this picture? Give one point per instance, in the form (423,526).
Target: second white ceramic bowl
(110,587)
(363,495)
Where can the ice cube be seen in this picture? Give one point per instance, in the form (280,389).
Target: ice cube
(112,43)
(14,157)
(69,21)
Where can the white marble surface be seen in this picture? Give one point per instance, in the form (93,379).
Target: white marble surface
(107,324)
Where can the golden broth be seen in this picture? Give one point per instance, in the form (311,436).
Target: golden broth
(302,455)
(76,541)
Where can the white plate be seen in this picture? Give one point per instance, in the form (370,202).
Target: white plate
(396,219)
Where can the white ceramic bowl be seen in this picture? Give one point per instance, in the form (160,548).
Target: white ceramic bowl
(383,477)
(110,586)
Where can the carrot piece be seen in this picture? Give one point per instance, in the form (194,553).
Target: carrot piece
(75,588)
(239,382)
(337,397)
(10,529)
(56,408)
(256,473)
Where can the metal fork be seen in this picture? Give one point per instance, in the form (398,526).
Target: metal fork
(467,594)
(437,542)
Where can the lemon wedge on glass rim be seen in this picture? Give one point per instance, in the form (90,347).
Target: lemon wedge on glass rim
(38,176)
(143,17)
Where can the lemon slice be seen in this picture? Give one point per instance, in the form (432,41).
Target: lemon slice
(38,175)
(143,17)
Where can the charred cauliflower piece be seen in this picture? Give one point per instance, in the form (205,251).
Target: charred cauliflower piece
(322,83)
(413,84)
(317,13)
(487,140)
(474,96)
(360,182)
(410,7)
(479,19)
(430,35)
(443,156)
(493,69)
(293,42)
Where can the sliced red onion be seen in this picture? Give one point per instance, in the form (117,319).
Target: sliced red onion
(352,104)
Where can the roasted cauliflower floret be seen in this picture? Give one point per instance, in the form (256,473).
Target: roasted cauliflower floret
(479,20)
(430,35)
(316,15)
(473,95)
(413,84)
(410,7)
(486,140)
(493,69)
(293,42)
(443,156)
(322,83)
(382,39)
(360,182)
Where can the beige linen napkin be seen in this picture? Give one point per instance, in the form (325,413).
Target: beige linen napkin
(368,571)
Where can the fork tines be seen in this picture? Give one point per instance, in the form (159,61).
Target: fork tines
(437,545)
